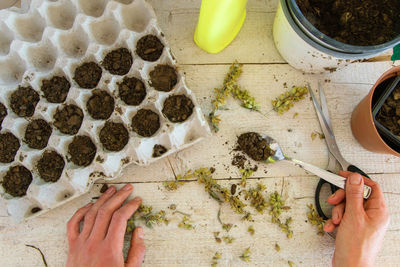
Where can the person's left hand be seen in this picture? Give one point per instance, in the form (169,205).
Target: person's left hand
(100,242)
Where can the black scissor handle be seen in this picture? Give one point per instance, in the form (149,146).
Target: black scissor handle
(317,199)
(353,168)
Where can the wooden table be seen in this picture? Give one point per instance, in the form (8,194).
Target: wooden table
(264,74)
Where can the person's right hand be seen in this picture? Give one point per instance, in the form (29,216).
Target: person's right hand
(361,226)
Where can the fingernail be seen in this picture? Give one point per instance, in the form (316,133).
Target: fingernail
(110,190)
(355,179)
(140,232)
(137,199)
(127,187)
(333,195)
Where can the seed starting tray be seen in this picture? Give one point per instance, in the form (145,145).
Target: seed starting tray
(44,39)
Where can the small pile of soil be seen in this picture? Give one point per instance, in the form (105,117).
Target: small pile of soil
(178,108)
(23,101)
(146,122)
(239,161)
(3,113)
(82,150)
(37,134)
(68,120)
(132,91)
(254,146)
(56,89)
(163,78)
(114,136)
(104,188)
(389,114)
(158,151)
(149,48)
(118,62)
(88,75)
(100,105)
(51,166)
(356,22)
(17,180)
(9,145)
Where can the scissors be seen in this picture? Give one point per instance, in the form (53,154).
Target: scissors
(334,152)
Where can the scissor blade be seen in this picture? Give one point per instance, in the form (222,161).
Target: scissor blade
(324,105)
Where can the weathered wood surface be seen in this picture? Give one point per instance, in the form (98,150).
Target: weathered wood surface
(264,75)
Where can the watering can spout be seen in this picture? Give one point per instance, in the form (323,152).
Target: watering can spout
(219,23)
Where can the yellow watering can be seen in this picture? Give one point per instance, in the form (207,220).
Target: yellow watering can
(219,23)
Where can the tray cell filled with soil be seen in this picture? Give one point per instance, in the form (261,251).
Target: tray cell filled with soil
(3,113)
(149,48)
(88,75)
(37,134)
(163,78)
(56,89)
(23,101)
(132,91)
(146,122)
(178,108)
(17,180)
(100,105)
(159,150)
(82,150)
(255,146)
(68,119)
(118,61)
(114,136)
(9,146)
(50,166)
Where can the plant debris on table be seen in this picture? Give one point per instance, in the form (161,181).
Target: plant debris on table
(315,219)
(246,255)
(215,259)
(286,100)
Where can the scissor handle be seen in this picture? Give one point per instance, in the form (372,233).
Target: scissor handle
(317,199)
(353,168)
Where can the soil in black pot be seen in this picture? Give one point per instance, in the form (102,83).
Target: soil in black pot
(56,89)
(23,101)
(389,114)
(254,146)
(178,108)
(132,91)
(149,48)
(114,136)
(163,78)
(37,134)
(88,75)
(100,105)
(3,113)
(82,150)
(118,62)
(17,180)
(51,166)
(146,122)
(356,22)
(68,119)
(9,145)
(159,150)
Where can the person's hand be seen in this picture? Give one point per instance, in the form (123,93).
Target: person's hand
(100,242)
(361,226)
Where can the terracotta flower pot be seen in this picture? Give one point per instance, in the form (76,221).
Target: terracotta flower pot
(362,122)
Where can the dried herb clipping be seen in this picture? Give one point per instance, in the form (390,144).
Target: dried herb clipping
(246,255)
(291,263)
(277,204)
(215,259)
(146,214)
(315,134)
(246,173)
(257,200)
(277,247)
(315,219)
(228,239)
(186,223)
(286,100)
(251,230)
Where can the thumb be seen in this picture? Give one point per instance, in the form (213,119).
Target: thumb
(137,249)
(355,193)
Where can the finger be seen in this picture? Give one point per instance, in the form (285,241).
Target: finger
(105,212)
(376,199)
(354,193)
(337,197)
(73,223)
(137,250)
(329,227)
(337,213)
(117,228)
(90,217)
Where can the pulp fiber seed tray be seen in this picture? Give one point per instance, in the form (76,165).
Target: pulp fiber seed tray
(87,87)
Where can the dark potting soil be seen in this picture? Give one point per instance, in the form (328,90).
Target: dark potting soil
(159,150)
(100,105)
(3,113)
(9,145)
(356,22)
(254,146)
(35,209)
(146,122)
(37,134)
(239,161)
(163,78)
(68,119)
(149,48)
(178,108)
(82,150)
(389,114)
(56,89)
(17,180)
(114,136)
(23,101)
(118,62)
(132,91)
(88,75)
(51,166)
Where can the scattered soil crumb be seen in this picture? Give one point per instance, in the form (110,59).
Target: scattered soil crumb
(132,91)
(82,150)
(163,78)
(178,108)
(9,146)
(88,75)
(51,166)
(35,210)
(99,159)
(239,161)
(158,150)
(255,146)
(125,160)
(17,180)
(149,48)
(23,101)
(104,188)
(118,62)
(3,113)
(114,136)
(100,105)
(37,134)
(68,119)
(56,89)
(146,122)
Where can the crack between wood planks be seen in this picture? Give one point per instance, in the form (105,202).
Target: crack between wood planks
(229,64)
(41,253)
(392,193)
